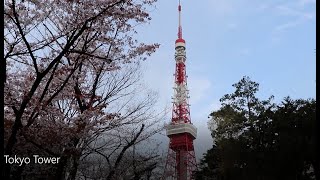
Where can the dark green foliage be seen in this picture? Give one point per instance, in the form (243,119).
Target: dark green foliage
(259,140)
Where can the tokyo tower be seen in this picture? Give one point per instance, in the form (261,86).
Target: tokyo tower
(181,161)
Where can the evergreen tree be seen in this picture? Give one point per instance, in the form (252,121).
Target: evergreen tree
(258,140)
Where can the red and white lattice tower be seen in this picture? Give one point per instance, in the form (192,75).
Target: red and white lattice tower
(181,161)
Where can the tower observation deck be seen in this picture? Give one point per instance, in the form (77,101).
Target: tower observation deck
(181,161)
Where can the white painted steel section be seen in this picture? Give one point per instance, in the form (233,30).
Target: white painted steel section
(181,128)
(180,44)
(181,94)
(180,53)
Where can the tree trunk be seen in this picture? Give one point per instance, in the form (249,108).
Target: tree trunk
(60,172)
(10,144)
(74,169)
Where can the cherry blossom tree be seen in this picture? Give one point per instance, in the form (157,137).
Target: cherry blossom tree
(129,121)
(61,56)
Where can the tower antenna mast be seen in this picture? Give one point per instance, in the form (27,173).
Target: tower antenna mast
(180,27)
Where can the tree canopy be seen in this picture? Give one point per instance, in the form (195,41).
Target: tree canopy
(260,140)
(72,87)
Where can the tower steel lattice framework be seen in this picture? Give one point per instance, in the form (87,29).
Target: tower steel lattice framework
(181,161)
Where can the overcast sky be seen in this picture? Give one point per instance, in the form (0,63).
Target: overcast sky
(272,41)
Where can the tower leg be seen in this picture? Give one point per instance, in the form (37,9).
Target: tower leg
(182,162)
(170,172)
(180,165)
